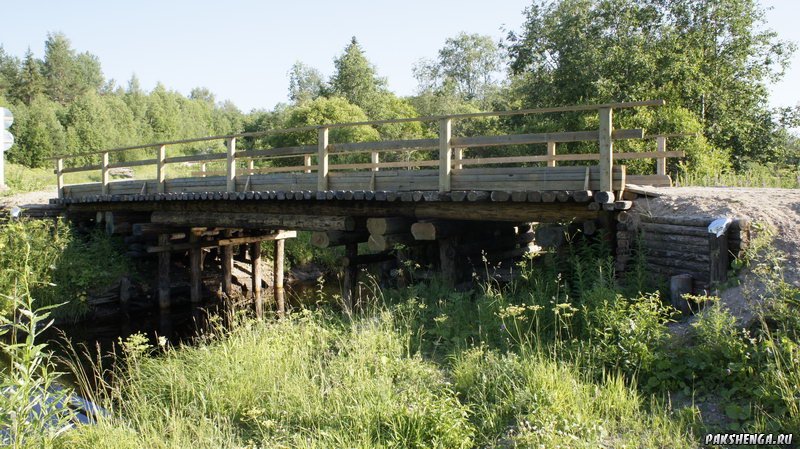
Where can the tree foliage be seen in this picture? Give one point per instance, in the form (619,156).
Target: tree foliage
(711,58)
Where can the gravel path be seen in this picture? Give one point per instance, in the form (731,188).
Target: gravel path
(38,197)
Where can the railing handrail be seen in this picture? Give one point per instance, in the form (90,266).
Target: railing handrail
(433,118)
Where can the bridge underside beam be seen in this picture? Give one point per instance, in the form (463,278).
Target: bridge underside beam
(335,215)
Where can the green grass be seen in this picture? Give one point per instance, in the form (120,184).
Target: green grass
(315,381)
(754,175)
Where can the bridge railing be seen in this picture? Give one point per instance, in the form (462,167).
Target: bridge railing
(451,160)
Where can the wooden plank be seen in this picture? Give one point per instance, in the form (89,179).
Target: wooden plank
(161,168)
(647,180)
(197,158)
(350,280)
(560,137)
(281,152)
(60,177)
(386,145)
(376,166)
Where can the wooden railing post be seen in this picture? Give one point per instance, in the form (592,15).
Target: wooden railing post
(251,166)
(231,165)
(60,177)
(104,173)
(322,160)
(375,159)
(203,169)
(661,162)
(307,163)
(551,154)
(458,156)
(161,169)
(445,155)
(606,150)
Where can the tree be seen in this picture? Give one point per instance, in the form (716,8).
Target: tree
(67,75)
(305,83)
(202,94)
(30,82)
(709,57)
(38,132)
(356,80)
(466,66)
(9,68)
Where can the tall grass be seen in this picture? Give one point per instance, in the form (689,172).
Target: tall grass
(753,175)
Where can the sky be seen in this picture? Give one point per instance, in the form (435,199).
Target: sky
(242,50)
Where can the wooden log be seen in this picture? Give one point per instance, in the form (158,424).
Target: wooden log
(659,253)
(277,273)
(582,196)
(350,280)
(437,229)
(563,196)
(448,260)
(680,285)
(500,195)
(365,259)
(388,225)
(589,227)
(551,236)
(519,196)
(255,221)
(327,239)
(195,268)
(385,242)
(534,196)
(604,197)
(458,195)
(227,267)
(548,196)
(280,235)
(256,278)
(164,299)
(623,205)
(674,230)
(718,252)
(688,265)
(678,220)
(699,242)
(477,195)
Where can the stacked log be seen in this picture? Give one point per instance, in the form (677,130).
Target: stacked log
(674,245)
(386,233)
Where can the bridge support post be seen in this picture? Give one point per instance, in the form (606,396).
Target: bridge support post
(661,162)
(231,165)
(322,160)
(255,260)
(227,267)
(195,266)
(447,260)
(277,273)
(350,277)
(606,149)
(161,169)
(551,154)
(445,154)
(60,177)
(104,174)
(163,273)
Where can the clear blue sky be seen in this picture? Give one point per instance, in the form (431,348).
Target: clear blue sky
(242,50)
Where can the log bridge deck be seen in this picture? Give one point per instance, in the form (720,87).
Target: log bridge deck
(354,192)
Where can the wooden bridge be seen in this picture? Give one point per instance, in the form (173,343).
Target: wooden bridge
(351,192)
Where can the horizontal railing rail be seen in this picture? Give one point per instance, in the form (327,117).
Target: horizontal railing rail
(451,150)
